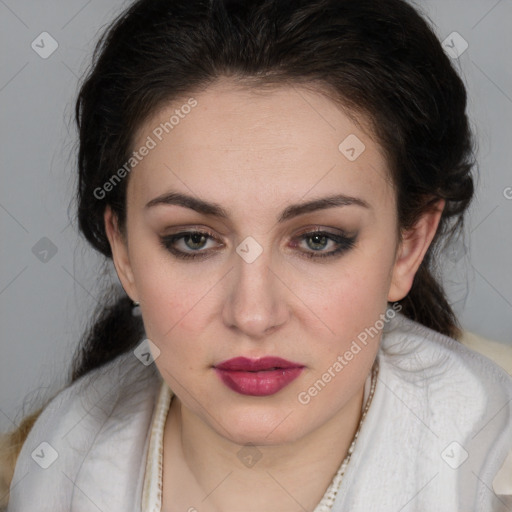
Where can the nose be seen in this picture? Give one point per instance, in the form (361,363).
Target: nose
(256,303)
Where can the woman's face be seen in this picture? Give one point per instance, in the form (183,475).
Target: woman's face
(257,171)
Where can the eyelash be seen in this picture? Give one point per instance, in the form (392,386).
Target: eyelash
(344,244)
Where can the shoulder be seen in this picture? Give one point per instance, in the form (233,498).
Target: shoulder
(440,420)
(414,351)
(460,400)
(94,429)
(449,379)
(500,353)
(114,389)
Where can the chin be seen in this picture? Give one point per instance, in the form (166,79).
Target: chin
(261,438)
(259,427)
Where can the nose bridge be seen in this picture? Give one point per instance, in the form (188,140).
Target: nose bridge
(256,303)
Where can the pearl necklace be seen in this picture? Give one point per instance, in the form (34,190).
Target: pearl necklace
(328,500)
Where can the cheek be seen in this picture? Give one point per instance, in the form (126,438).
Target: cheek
(174,317)
(172,294)
(173,304)
(361,281)
(356,298)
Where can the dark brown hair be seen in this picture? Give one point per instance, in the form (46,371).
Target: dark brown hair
(378,58)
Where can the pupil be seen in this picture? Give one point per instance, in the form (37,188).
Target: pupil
(317,237)
(196,238)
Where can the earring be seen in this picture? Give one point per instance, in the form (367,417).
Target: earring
(136,309)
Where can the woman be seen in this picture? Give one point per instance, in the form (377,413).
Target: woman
(272,181)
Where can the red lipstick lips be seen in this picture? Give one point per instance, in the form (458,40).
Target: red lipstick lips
(257,377)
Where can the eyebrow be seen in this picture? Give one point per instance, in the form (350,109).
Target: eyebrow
(294,210)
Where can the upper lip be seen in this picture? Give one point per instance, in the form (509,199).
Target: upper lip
(254,365)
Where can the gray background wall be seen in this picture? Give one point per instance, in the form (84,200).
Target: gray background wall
(46,298)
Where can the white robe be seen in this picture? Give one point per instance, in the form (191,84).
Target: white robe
(435,437)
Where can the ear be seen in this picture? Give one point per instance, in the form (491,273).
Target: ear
(120,255)
(415,243)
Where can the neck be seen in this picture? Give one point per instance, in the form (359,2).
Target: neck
(258,475)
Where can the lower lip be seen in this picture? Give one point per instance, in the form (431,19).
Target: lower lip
(262,383)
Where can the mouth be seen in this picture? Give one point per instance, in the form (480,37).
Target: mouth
(257,377)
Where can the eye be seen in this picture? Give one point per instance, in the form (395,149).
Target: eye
(320,240)
(193,240)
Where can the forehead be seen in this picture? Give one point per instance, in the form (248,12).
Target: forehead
(287,140)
